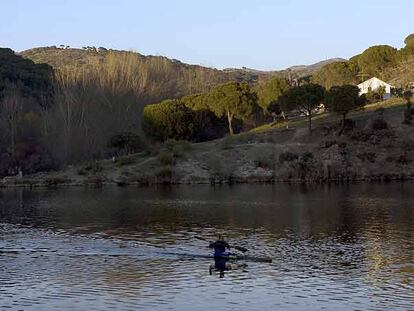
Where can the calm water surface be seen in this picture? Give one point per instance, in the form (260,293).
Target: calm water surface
(333,248)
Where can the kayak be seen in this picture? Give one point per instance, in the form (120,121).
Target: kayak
(244,257)
(231,257)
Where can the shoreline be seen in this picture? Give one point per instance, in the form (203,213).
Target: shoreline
(47,185)
(376,148)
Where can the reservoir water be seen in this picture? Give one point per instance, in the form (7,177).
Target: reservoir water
(334,247)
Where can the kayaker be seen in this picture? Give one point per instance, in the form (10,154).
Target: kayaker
(220,247)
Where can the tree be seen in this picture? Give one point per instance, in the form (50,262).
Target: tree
(270,91)
(375,59)
(304,98)
(337,73)
(168,119)
(10,110)
(275,109)
(343,99)
(126,143)
(409,44)
(232,100)
(381,91)
(409,40)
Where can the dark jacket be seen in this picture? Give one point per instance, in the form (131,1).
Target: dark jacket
(219,247)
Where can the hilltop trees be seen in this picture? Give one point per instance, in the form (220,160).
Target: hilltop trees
(383,61)
(232,100)
(337,73)
(304,98)
(343,99)
(268,92)
(375,59)
(409,44)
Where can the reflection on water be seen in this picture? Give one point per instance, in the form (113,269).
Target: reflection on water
(335,247)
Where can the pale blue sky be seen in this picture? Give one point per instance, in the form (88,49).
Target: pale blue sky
(261,34)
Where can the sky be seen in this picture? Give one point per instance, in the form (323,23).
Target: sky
(260,34)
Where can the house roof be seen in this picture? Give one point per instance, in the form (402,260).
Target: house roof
(369,81)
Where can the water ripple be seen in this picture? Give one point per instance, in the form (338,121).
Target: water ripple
(332,248)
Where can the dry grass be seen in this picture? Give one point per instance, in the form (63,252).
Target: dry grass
(327,117)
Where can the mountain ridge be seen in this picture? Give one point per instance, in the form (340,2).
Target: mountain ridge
(300,70)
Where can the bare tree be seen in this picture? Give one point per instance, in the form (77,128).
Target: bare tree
(11,108)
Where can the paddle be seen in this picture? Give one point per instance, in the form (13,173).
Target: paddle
(240,248)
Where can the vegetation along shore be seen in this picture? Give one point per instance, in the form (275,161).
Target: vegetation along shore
(97,117)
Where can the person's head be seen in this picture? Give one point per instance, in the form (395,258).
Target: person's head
(220,237)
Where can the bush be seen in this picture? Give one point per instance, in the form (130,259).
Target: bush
(178,148)
(404,159)
(126,143)
(287,156)
(126,160)
(329,143)
(408,116)
(307,156)
(164,172)
(168,119)
(95,180)
(53,181)
(263,156)
(220,172)
(367,156)
(407,144)
(380,111)
(361,135)
(227,142)
(379,124)
(91,167)
(165,158)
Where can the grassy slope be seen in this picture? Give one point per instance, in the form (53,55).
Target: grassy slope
(326,118)
(403,73)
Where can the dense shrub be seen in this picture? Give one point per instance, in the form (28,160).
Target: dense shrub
(165,158)
(367,156)
(180,148)
(287,156)
(125,160)
(307,156)
(53,181)
(168,119)
(164,172)
(220,171)
(379,124)
(91,167)
(126,143)
(264,156)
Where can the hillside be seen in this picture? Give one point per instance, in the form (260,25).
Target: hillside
(155,77)
(378,148)
(298,70)
(305,70)
(65,106)
(383,61)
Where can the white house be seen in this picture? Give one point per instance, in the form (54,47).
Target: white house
(374,84)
